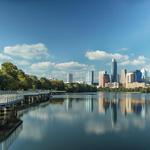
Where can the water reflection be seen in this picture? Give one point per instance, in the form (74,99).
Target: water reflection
(89,103)
(10,127)
(119,110)
(127,103)
(79,121)
(8,140)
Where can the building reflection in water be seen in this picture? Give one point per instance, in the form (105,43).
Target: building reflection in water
(113,104)
(110,109)
(128,104)
(113,113)
(68,103)
(89,106)
(103,104)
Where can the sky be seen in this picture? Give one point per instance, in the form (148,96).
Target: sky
(52,37)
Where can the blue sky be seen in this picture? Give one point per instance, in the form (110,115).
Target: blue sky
(52,37)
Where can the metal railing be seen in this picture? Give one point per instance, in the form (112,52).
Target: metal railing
(10,98)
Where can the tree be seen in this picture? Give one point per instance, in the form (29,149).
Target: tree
(9,69)
(45,83)
(12,78)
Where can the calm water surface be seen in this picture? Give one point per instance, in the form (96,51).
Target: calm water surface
(89,121)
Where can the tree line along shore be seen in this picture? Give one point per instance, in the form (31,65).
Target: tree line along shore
(12,78)
(121,89)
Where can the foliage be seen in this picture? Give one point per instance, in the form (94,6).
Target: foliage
(142,90)
(76,87)
(12,78)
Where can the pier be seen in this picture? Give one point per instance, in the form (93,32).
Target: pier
(9,100)
(10,103)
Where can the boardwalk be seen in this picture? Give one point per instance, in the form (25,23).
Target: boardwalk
(8,98)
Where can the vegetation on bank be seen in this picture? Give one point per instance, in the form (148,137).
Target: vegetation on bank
(12,78)
(76,87)
(142,90)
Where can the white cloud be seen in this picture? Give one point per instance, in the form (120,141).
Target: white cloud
(59,70)
(22,62)
(100,55)
(34,59)
(96,128)
(141,60)
(122,59)
(42,65)
(4,57)
(27,51)
(73,65)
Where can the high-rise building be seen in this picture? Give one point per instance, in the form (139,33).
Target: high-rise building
(90,77)
(69,78)
(114,71)
(137,76)
(118,78)
(123,77)
(130,77)
(103,78)
(144,74)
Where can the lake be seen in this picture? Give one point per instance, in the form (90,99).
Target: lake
(84,121)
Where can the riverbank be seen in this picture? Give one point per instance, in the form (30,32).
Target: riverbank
(135,90)
(7,129)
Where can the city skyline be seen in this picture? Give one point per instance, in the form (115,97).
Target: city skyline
(74,74)
(65,36)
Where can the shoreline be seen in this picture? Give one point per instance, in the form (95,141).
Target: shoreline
(11,130)
(134,90)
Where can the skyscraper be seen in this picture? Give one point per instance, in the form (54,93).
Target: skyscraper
(90,77)
(69,78)
(103,78)
(130,77)
(123,77)
(114,71)
(144,74)
(138,76)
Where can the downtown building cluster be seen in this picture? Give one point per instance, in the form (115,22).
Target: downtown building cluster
(89,78)
(135,79)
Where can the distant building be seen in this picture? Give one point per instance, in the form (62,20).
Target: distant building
(90,77)
(103,78)
(147,80)
(112,85)
(69,78)
(80,82)
(137,76)
(144,74)
(133,85)
(114,74)
(130,77)
(118,78)
(123,77)
(134,80)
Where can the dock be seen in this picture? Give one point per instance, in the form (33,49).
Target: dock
(13,99)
